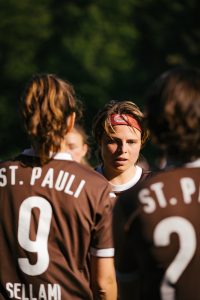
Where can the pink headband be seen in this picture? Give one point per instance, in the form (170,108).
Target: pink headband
(124,119)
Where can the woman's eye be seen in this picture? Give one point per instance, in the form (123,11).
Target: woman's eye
(110,141)
(72,147)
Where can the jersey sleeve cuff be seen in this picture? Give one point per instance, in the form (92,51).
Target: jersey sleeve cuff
(109,252)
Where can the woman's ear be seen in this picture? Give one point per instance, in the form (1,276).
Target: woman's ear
(85,149)
(71,121)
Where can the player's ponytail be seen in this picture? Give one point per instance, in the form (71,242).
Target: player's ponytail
(46,105)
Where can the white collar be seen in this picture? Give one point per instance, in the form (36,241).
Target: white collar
(130,183)
(127,185)
(58,156)
(172,164)
(193,164)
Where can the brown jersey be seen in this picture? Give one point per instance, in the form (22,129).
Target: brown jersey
(51,218)
(157,236)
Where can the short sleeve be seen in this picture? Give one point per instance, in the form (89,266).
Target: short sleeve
(102,237)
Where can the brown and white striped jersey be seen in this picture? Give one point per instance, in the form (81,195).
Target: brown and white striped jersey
(51,218)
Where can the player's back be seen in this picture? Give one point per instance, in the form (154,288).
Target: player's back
(163,228)
(47,216)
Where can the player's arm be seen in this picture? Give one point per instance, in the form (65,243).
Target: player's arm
(103,278)
(128,278)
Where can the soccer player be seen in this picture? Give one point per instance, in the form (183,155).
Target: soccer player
(120,133)
(77,144)
(55,232)
(157,225)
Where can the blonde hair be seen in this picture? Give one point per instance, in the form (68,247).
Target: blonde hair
(47,103)
(101,122)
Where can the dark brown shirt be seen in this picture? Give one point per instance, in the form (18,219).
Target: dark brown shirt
(51,218)
(157,236)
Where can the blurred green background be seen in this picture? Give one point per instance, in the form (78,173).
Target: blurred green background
(108,49)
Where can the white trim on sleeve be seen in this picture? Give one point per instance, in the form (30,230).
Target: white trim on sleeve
(109,252)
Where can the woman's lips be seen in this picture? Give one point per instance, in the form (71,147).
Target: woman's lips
(120,161)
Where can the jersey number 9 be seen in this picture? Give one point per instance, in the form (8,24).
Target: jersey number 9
(40,244)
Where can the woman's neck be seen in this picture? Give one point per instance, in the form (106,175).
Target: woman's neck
(118,178)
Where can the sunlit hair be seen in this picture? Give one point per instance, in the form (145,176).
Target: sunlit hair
(101,122)
(173,113)
(46,105)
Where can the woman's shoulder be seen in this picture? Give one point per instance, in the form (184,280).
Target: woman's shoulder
(146,174)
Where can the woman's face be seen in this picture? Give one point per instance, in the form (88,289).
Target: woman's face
(120,151)
(75,145)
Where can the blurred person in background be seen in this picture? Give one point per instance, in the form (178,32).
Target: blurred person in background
(120,133)
(157,224)
(53,218)
(77,144)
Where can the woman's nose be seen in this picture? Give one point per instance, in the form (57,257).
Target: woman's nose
(123,147)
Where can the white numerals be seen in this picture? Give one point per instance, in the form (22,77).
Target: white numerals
(187,248)
(40,244)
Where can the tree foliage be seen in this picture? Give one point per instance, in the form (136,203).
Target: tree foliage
(107,49)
